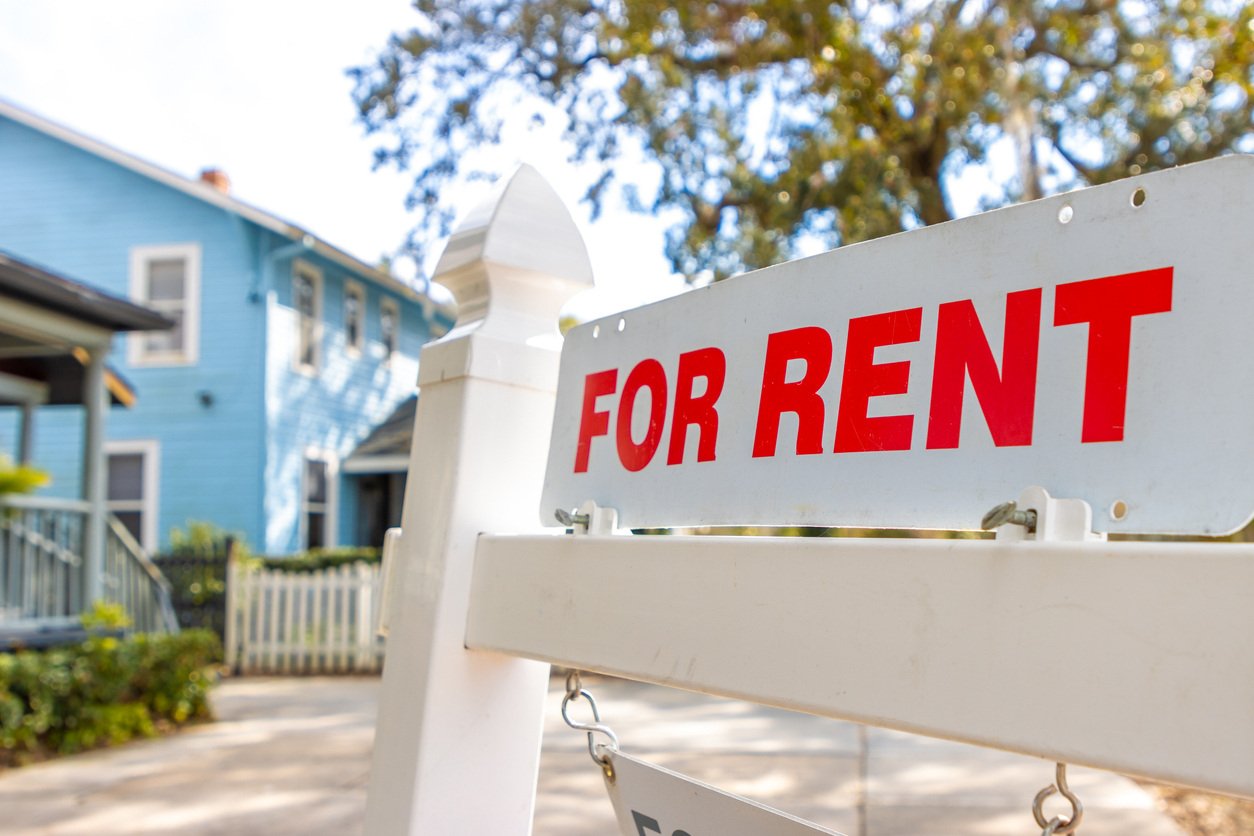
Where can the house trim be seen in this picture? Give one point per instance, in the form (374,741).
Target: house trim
(141,256)
(149,504)
(51,328)
(331,508)
(206,193)
(376,464)
(301,268)
(389,304)
(351,288)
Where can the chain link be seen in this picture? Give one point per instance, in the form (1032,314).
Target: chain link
(600,752)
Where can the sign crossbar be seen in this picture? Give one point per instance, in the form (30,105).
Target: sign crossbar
(1037,648)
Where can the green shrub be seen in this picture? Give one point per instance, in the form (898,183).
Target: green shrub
(318,559)
(105,690)
(20,478)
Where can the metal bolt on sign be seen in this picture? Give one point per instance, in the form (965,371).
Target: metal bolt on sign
(1009,513)
(570,520)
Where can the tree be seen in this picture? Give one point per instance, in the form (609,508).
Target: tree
(777,121)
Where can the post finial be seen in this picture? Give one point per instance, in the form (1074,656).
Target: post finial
(511,265)
(523,232)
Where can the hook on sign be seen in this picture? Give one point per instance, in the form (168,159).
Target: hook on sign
(598,751)
(1058,825)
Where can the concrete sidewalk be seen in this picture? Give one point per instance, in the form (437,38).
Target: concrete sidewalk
(292,755)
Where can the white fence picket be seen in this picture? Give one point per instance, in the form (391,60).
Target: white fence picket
(316,622)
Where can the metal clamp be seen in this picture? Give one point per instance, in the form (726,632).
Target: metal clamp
(1038,516)
(589,518)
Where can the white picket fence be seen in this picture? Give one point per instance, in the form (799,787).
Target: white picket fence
(303,622)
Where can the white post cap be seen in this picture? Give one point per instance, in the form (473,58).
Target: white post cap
(511,265)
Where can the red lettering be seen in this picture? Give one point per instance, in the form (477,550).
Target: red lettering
(591,422)
(1008,399)
(647,374)
(711,364)
(864,379)
(1108,305)
(801,397)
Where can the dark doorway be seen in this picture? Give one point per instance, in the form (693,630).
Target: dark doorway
(379,500)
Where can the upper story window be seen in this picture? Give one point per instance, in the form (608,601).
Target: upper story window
(354,316)
(167,279)
(389,327)
(307,300)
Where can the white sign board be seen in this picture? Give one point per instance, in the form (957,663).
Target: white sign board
(1095,343)
(651,801)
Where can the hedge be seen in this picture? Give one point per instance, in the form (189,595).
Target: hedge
(103,691)
(316,560)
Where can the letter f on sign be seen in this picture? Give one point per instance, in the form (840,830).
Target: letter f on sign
(591,422)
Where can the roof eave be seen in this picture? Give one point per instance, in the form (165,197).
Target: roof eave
(205,192)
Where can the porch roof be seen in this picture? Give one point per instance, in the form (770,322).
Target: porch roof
(386,449)
(29,283)
(43,365)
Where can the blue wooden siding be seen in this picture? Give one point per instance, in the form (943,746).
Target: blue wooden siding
(238,461)
(80,215)
(334,409)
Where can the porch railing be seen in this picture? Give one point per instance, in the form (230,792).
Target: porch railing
(134,581)
(43,567)
(41,558)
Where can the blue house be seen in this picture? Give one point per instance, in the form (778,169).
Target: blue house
(287,353)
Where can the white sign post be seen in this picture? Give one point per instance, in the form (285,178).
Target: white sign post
(1093,343)
(458,741)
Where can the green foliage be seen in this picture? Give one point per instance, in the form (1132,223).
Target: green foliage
(779,123)
(103,691)
(195,566)
(105,616)
(316,560)
(20,478)
(201,537)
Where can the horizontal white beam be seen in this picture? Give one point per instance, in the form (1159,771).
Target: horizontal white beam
(17,389)
(1133,657)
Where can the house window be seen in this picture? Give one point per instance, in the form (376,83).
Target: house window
(354,316)
(318,503)
(307,300)
(131,469)
(167,279)
(389,327)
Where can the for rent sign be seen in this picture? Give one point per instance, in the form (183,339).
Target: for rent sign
(1093,343)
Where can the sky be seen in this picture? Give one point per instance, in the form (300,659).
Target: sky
(259,90)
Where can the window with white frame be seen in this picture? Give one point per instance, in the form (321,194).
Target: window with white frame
(131,473)
(317,502)
(389,327)
(307,300)
(167,278)
(354,317)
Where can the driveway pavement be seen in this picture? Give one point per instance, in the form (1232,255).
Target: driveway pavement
(292,755)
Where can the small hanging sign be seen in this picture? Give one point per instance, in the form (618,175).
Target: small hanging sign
(650,800)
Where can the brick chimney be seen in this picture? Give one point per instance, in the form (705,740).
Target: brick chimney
(217,178)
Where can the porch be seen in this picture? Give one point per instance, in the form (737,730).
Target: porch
(44,576)
(58,557)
